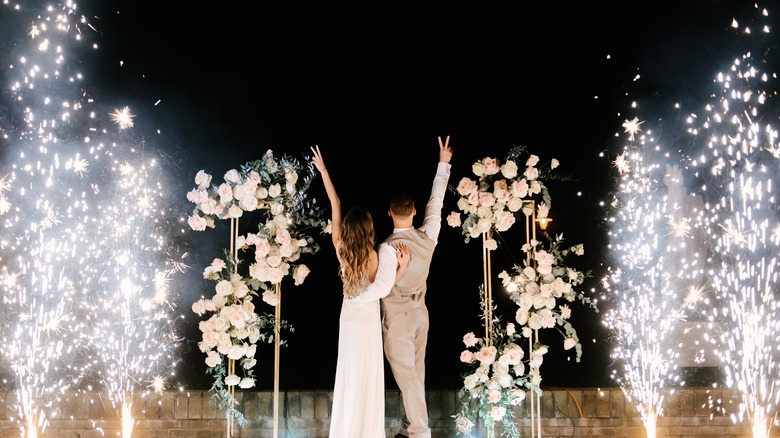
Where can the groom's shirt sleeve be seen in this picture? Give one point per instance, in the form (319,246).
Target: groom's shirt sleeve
(432,221)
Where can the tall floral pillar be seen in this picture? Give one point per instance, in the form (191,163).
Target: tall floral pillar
(276,188)
(500,373)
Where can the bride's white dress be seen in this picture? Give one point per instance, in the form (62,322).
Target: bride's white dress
(359,390)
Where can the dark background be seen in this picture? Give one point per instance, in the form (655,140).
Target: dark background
(214,85)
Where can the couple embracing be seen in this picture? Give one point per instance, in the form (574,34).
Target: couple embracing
(395,275)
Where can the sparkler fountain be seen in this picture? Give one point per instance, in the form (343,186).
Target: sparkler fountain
(85,254)
(738,172)
(650,249)
(669,254)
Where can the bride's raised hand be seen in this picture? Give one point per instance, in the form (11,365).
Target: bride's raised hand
(319,163)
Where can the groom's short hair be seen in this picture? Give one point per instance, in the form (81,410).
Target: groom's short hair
(402,204)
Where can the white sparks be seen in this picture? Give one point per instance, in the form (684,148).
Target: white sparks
(632,127)
(621,164)
(80,166)
(681,228)
(123,117)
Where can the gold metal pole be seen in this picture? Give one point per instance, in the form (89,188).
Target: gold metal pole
(231,362)
(532,398)
(530,233)
(538,403)
(277,330)
(488,298)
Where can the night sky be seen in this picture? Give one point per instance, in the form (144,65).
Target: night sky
(216,85)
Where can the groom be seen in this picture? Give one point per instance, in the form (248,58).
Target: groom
(404,314)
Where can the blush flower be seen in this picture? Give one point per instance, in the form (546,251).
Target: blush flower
(470,340)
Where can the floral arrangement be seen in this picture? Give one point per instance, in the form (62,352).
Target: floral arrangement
(276,188)
(497,379)
(232,332)
(498,197)
(541,287)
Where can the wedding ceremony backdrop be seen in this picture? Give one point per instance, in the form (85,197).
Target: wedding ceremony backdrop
(611,217)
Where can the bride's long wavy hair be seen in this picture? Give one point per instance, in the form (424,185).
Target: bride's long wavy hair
(358,238)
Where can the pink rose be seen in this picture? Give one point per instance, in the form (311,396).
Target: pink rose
(491,166)
(504,221)
(197,223)
(486,355)
(466,186)
(225,193)
(511,356)
(262,248)
(282,236)
(453,219)
(520,189)
(486,199)
(275,275)
(497,413)
(470,340)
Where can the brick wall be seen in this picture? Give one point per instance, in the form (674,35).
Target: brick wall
(587,412)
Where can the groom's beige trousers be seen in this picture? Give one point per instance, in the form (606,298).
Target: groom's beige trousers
(405,339)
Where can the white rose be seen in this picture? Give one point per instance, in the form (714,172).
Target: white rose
(199,307)
(224,288)
(300,274)
(232,176)
(213,359)
(235,212)
(202,179)
(509,169)
(196,222)
(478,168)
(270,298)
(275,190)
(209,206)
(248,203)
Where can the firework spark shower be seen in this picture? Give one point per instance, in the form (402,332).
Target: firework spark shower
(738,173)
(694,238)
(87,253)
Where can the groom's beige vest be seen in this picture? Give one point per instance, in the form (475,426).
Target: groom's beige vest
(409,290)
